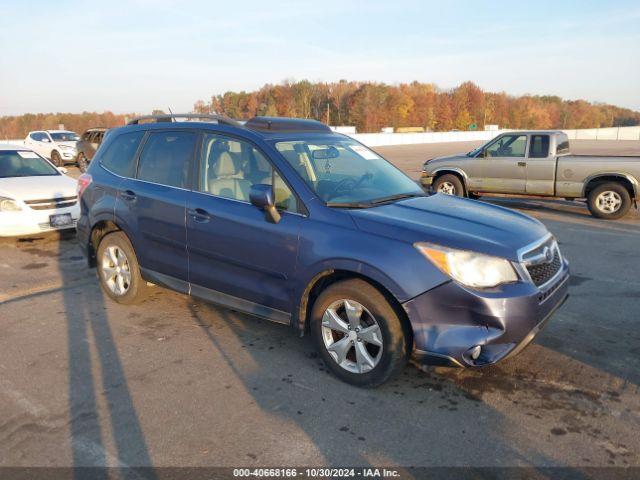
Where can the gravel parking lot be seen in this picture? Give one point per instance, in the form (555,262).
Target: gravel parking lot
(177,382)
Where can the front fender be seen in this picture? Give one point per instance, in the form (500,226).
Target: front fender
(328,267)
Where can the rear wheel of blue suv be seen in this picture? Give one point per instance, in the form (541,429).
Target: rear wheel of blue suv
(119,271)
(286,220)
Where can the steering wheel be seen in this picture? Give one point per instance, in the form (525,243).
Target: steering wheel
(349,183)
(344,184)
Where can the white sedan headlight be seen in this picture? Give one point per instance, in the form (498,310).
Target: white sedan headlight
(9,205)
(472,269)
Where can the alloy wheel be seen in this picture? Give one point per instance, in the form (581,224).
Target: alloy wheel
(116,271)
(447,188)
(352,336)
(609,201)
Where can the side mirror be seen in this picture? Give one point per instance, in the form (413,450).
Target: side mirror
(62,170)
(261,196)
(45,140)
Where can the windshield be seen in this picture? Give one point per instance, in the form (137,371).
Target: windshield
(64,136)
(342,172)
(476,151)
(15,163)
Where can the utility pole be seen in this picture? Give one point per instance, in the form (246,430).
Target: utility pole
(328,104)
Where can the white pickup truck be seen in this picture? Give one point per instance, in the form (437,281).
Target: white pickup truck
(538,163)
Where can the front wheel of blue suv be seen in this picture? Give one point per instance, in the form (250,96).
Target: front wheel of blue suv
(359,334)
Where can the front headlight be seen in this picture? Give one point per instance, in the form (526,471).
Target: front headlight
(472,269)
(9,205)
(67,147)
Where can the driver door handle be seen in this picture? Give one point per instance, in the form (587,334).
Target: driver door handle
(199,215)
(522,164)
(128,195)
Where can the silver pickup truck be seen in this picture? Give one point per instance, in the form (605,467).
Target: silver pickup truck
(538,163)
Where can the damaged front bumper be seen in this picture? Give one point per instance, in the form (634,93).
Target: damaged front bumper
(456,326)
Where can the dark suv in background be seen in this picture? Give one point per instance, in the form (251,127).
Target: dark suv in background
(286,220)
(88,144)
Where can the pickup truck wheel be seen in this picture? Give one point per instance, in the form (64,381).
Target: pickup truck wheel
(358,333)
(118,270)
(56,159)
(449,185)
(609,201)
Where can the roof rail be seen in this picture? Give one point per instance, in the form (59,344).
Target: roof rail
(171,117)
(285,124)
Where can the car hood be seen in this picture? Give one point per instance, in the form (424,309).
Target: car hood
(453,222)
(447,157)
(36,188)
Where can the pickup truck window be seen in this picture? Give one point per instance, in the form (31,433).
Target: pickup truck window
(508,146)
(539,146)
(563,144)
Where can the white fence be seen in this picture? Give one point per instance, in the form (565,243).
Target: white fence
(609,133)
(380,139)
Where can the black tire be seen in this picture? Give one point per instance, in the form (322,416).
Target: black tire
(56,159)
(616,190)
(395,349)
(450,182)
(137,288)
(82,162)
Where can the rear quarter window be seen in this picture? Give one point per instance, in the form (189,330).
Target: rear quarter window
(562,144)
(120,154)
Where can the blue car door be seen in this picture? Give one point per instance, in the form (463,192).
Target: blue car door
(236,257)
(154,204)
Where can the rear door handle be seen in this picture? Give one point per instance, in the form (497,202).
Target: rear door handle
(128,195)
(522,164)
(199,215)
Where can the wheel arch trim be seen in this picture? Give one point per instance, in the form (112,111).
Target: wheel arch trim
(445,170)
(349,270)
(622,175)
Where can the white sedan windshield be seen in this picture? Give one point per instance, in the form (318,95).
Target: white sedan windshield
(17,163)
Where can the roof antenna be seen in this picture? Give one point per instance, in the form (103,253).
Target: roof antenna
(173,119)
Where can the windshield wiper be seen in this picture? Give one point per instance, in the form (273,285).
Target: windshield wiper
(373,203)
(348,205)
(393,198)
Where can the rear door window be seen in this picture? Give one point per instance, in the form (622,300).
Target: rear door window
(539,147)
(120,155)
(166,158)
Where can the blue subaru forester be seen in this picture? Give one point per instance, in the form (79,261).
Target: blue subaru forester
(286,220)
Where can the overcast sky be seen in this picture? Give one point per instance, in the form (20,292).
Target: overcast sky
(137,55)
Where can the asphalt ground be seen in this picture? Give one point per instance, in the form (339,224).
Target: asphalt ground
(178,382)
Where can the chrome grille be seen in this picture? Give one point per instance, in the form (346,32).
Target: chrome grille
(543,272)
(52,203)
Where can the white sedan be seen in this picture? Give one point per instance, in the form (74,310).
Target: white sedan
(35,196)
